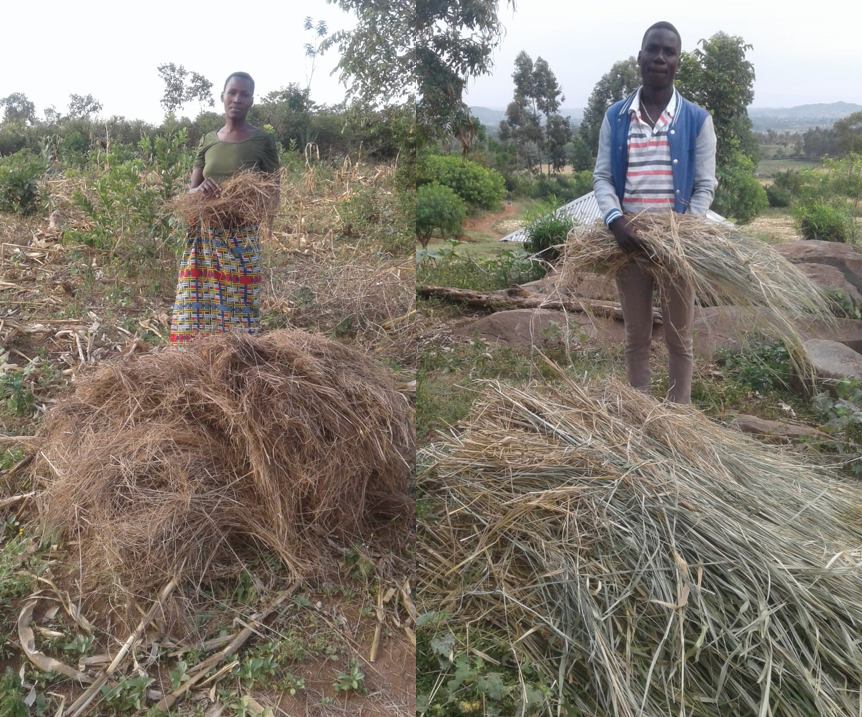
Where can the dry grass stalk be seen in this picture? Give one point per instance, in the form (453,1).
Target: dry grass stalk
(725,265)
(651,561)
(247,198)
(176,463)
(370,298)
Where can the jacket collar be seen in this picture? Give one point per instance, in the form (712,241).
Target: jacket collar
(632,104)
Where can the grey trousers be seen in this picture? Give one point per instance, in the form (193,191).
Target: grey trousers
(636,287)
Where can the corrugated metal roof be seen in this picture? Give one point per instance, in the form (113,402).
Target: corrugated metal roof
(585,211)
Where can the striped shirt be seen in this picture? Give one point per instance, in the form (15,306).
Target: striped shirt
(649,178)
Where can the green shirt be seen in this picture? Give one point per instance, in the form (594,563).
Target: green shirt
(220,160)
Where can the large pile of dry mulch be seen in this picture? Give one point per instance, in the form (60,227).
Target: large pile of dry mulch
(177,464)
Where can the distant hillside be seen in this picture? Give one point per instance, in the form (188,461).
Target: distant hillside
(492,116)
(800,118)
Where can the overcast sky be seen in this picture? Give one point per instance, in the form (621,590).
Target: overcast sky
(802,52)
(111,50)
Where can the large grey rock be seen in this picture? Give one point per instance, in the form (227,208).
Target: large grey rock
(833,360)
(722,327)
(830,278)
(844,331)
(537,327)
(847,258)
(729,327)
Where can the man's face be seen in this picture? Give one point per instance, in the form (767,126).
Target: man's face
(659,58)
(237,97)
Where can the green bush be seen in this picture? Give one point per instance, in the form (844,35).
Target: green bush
(11,695)
(19,182)
(477,186)
(438,207)
(820,219)
(557,188)
(778,196)
(739,194)
(73,149)
(546,232)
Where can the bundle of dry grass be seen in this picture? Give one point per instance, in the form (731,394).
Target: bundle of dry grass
(244,199)
(725,265)
(651,561)
(174,464)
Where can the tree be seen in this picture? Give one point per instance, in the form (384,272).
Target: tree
(582,157)
(848,133)
(52,115)
(719,78)
(549,95)
(83,107)
(537,93)
(522,129)
(438,207)
(182,86)
(620,81)
(313,49)
(522,125)
(418,50)
(559,131)
(17,107)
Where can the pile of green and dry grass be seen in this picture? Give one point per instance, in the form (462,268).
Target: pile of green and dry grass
(648,560)
(244,199)
(725,266)
(177,464)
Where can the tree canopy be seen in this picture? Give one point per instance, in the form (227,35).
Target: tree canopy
(83,107)
(183,86)
(717,76)
(418,50)
(18,107)
(537,93)
(620,81)
(848,133)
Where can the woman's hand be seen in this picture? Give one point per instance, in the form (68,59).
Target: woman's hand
(625,232)
(209,188)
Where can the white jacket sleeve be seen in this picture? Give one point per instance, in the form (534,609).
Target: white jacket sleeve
(603,182)
(704,170)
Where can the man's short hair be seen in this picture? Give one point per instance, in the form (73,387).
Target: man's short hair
(663,25)
(241,75)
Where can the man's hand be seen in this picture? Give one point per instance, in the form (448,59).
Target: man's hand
(625,232)
(209,188)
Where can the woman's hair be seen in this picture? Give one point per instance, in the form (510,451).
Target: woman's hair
(243,75)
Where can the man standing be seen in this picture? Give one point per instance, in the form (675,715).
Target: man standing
(656,153)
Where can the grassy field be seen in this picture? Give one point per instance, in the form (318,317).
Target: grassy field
(767,168)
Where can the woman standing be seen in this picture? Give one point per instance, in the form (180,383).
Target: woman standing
(219,278)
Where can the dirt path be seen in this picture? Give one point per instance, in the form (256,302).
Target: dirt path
(776,229)
(492,223)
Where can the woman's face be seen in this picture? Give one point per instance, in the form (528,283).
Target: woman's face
(238,98)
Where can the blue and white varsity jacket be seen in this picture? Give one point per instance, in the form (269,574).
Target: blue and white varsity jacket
(691,137)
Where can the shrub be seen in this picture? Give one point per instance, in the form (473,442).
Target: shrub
(546,232)
(73,149)
(438,207)
(19,182)
(739,194)
(778,196)
(118,205)
(819,219)
(477,186)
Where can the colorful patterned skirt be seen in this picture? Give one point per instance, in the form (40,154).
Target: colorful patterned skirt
(219,283)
